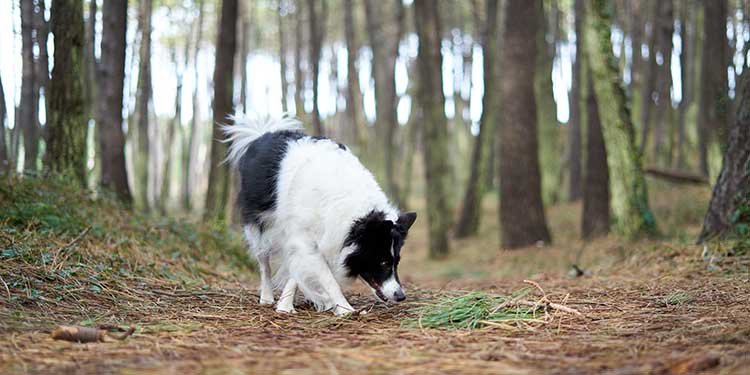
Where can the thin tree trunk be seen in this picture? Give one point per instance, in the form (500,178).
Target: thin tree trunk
(595,218)
(172,127)
(636,40)
(142,105)
(687,74)
(730,200)
(282,57)
(218,176)
(665,30)
(28,107)
(90,87)
(574,132)
(317,28)
(469,219)
(431,101)
(66,126)
(353,91)
(713,105)
(384,43)
(4,165)
(109,117)
(190,153)
(522,218)
(629,196)
(649,84)
(299,79)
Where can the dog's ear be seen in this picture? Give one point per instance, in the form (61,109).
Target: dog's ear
(406,219)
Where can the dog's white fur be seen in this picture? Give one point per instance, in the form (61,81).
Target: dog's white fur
(322,189)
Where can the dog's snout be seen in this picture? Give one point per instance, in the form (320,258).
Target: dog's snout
(399,295)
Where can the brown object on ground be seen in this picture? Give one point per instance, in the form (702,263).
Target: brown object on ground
(88,334)
(79,334)
(693,365)
(676,176)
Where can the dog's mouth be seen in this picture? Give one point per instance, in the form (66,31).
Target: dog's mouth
(376,289)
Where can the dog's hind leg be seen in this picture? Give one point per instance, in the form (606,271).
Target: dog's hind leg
(286,300)
(261,252)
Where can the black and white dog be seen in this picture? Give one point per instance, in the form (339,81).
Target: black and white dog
(310,208)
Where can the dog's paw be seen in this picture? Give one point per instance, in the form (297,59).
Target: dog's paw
(342,310)
(285,310)
(266,301)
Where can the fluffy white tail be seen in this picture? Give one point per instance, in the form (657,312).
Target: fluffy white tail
(246,129)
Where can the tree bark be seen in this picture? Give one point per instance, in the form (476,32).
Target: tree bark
(595,218)
(384,42)
(687,74)
(299,79)
(431,101)
(90,87)
(190,153)
(143,102)
(574,131)
(522,218)
(714,101)
(282,56)
(218,176)
(67,126)
(629,195)
(4,165)
(109,117)
(28,107)
(469,219)
(317,28)
(730,202)
(649,84)
(353,90)
(665,29)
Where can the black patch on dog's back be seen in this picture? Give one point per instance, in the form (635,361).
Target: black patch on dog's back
(259,174)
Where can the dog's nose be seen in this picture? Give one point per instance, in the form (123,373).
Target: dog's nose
(399,296)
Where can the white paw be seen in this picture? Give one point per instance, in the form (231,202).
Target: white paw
(286,310)
(264,301)
(343,310)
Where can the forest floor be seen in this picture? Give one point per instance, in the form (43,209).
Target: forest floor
(654,306)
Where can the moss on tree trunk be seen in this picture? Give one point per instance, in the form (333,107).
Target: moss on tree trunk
(629,196)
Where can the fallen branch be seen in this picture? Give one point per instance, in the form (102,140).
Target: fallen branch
(677,176)
(89,334)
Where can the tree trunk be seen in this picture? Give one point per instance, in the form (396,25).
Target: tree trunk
(384,43)
(67,125)
(431,101)
(649,83)
(282,56)
(729,207)
(629,196)
(469,219)
(143,102)
(90,88)
(109,117)
(522,218)
(353,91)
(172,127)
(4,165)
(190,153)
(548,129)
(28,107)
(665,29)
(636,41)
(687,75)
(317,28)
(218,176)
(574,131)
(595,218)
(42,27)
(713,105)
(299,79)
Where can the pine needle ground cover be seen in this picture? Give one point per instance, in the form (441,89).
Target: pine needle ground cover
(70,258)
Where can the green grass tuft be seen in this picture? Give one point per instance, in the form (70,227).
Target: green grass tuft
(471,311)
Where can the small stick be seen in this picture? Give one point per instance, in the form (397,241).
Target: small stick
(553,305)
(534,283)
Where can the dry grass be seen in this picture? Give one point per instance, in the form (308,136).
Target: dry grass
(659,307)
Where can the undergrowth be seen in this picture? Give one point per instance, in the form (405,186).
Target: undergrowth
(56,238)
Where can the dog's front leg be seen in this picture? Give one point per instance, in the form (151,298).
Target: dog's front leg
(286,301)
(315,279)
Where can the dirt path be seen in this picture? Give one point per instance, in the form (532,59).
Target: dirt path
(679,323)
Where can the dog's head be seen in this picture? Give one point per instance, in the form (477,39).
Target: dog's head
(376,251)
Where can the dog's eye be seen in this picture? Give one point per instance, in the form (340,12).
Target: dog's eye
(385,264)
